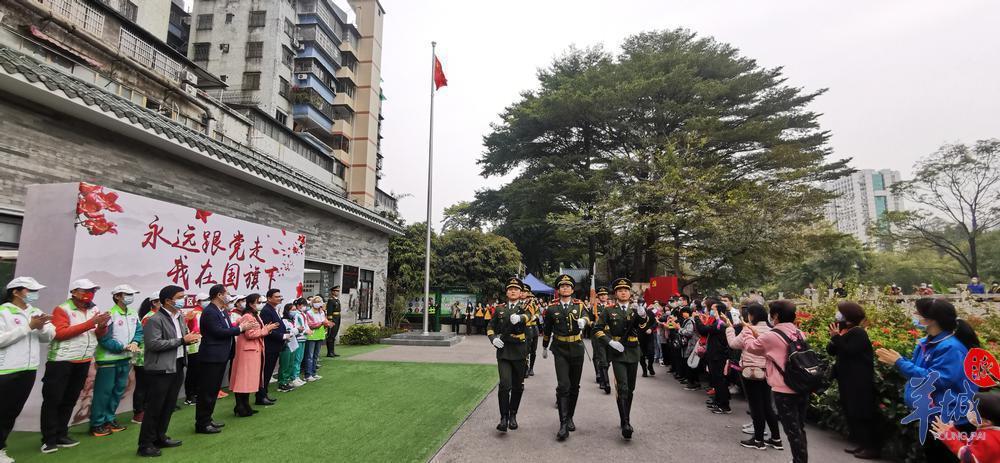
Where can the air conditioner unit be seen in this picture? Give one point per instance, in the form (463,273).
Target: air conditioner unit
(295,44)
(302,76)
(190,89)
(190,77)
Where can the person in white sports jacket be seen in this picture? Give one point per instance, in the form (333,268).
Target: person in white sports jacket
(23,328)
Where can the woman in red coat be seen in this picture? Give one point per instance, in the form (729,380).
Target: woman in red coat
(249,357)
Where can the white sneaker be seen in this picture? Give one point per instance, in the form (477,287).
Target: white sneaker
(4,458)
(317,377)
(311,379)
(297,382)
(273,380)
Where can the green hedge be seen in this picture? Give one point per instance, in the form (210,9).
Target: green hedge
(363,334)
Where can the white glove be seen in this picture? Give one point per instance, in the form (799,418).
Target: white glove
(640,310)
(582,323)
(498,343)
(545,353)
(617,346)
(515,318)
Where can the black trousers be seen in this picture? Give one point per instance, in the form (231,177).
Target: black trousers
(761,409)
(532,333)
(331,339)
(14,391)
(160,402)
(61,386)
(717,377)
(270,361)
(511,384)
(139,392)
(792,414)
(209,382)
(191,376)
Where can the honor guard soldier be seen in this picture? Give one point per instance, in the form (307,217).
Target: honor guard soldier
(506,332)
(600,357)
(565,319)
(531,327)
(618,327)
(333,315)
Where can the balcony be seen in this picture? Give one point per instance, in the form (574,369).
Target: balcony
(313,82)
(347,46)
(385,201)
(342,127)
(316,35)
(311,112)
(346,73)
(343,99)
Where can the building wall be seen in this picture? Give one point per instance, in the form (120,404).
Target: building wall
(154,16)
(367,102)
(44,147)
(862,201)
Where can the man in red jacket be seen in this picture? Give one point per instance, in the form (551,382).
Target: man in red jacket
(78,326)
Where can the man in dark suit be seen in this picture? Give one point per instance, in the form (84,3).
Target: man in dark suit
(164,339)
(216,349)
(273,342)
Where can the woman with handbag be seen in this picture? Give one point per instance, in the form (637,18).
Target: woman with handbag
(755,386)
(690,340)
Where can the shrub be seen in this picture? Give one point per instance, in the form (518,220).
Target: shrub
(358,335)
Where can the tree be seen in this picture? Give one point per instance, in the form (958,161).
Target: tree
(833,257)
(405,273)
(459,216)
(959,187)
(677,147)
(476,261)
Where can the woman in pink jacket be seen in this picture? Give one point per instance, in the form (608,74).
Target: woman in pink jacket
(249,357)
(790,404)
(755,382)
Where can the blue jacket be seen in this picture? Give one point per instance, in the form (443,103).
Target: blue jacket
(977,288)
(275,340)
(217,335)
(942,353)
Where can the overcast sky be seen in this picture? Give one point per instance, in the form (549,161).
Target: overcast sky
(903,76)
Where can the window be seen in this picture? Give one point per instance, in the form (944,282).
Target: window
(129,10)
(878,182)
(257,18)
(224,47)
(283,87)
(229,18)
(200,50)
(289,28)
(366,292)
(281,117)
(205,22)
(251,81)
(255,49)
(340,170)
(286,56)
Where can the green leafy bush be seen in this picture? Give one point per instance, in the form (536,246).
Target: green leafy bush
(359,335)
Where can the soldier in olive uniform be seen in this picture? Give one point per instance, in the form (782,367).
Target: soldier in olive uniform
(618,327)
(566,318)
(506,332)
(600,357)
(531,307)
(333,315)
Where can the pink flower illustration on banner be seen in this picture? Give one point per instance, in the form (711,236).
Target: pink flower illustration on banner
(202,215)
(92,205)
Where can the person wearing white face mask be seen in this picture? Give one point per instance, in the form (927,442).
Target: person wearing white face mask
(317,323)
(23,328)
(113,355)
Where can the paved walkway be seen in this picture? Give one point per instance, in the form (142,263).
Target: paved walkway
(670,424)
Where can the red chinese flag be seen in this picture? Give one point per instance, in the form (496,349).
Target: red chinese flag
(439,79)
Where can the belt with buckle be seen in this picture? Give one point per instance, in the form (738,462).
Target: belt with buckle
(630,338)
(569,338)
(517,336)
(335,313)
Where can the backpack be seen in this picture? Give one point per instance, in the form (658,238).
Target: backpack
(805,371)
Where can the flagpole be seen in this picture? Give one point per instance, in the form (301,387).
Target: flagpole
(430,177)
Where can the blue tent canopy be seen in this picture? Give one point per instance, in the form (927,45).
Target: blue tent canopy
(537,286)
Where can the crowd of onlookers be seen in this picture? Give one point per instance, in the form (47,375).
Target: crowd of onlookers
(169,343)
(756,349)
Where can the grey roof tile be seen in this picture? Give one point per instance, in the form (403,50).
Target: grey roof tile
(248,159)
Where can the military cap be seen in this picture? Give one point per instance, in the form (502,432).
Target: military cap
(622,283)
(565,280)
(525,287)
(602,291)
(514,282)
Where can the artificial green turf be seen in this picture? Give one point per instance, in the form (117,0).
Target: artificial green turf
(360,411)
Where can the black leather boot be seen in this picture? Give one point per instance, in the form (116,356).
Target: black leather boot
(512,419)
(563,430)
(623,415)
(571,409)
(504,399)
(607,381)
(515,403)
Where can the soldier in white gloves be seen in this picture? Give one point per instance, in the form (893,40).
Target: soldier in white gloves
(565,320)
(507,333)
(619,326)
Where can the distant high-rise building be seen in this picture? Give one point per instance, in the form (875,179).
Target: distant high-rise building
(151,15)
(178,27)
(864,198)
